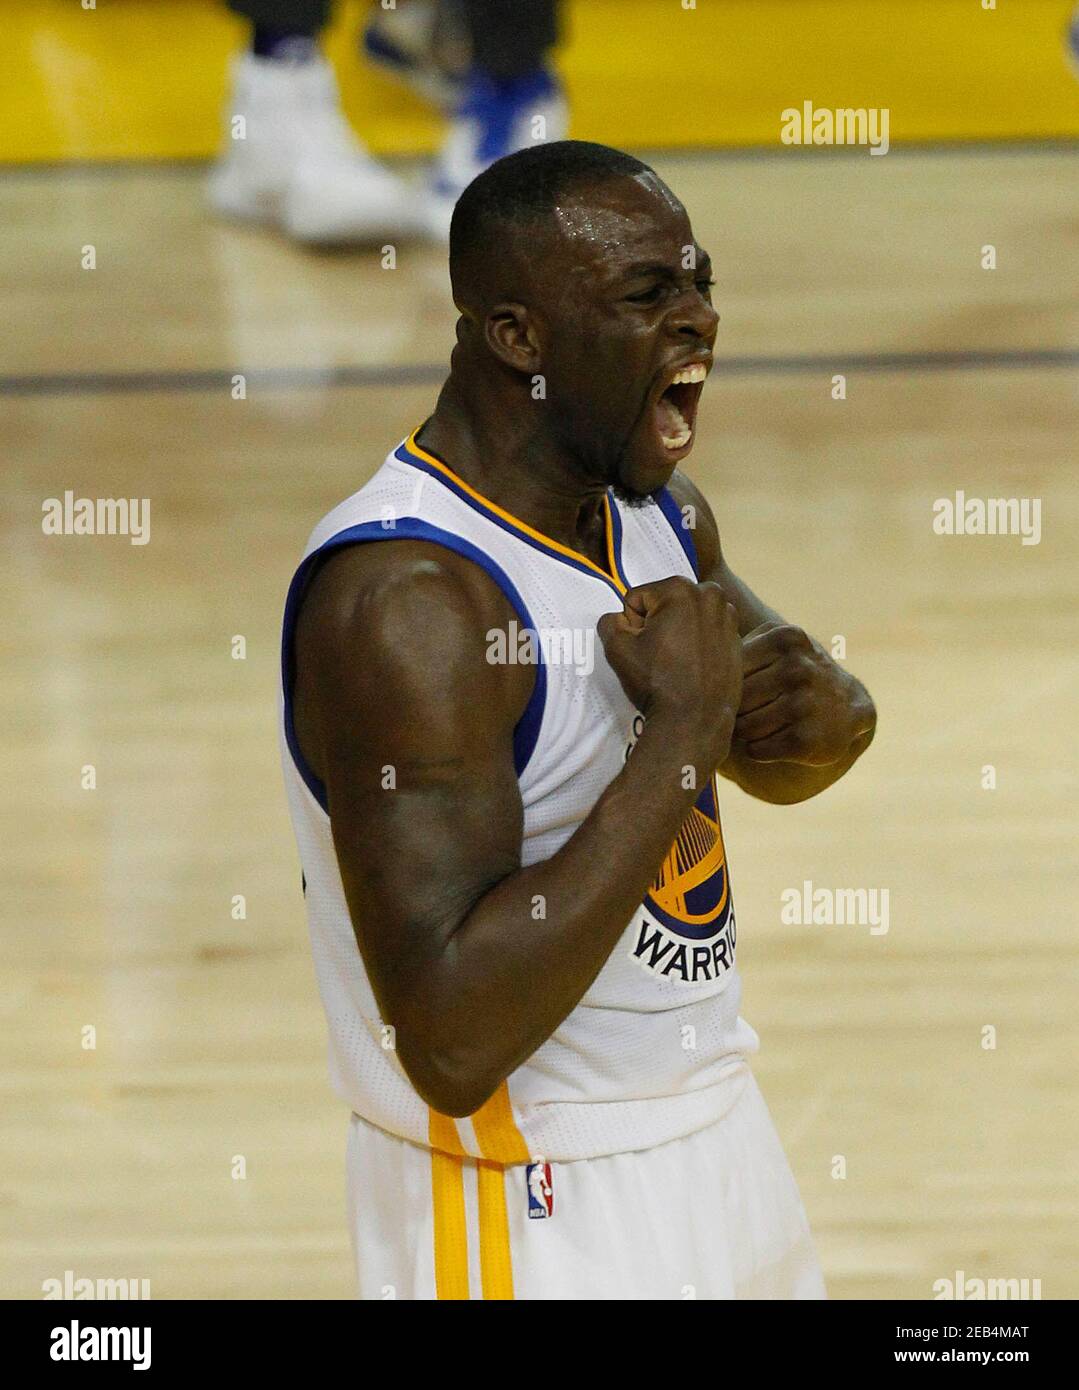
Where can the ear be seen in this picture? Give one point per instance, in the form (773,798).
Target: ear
(511,335)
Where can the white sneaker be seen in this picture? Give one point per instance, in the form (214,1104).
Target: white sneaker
(492,120)
(297,163)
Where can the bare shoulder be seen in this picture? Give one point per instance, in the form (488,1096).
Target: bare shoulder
(701,519)
(391,647)
(371,592)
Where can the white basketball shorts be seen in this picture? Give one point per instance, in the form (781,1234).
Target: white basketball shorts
(715,1215)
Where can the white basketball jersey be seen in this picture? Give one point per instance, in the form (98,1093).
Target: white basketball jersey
(652,1051)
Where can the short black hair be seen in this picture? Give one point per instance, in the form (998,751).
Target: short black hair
(526,186)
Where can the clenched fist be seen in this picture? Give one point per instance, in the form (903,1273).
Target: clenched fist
(676,650)
(796,703)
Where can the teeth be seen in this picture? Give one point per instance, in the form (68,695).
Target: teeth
(675,441)
(683,433)
(688,375)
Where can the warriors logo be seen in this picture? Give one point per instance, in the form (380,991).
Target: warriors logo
(686,928)
(691,894)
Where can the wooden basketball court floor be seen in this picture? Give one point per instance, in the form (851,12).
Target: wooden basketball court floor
(121,1160)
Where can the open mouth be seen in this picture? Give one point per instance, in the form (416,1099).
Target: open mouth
(675,411)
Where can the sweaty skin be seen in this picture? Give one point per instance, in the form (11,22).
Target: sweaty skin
(601,305)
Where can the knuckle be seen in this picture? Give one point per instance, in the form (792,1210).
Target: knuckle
(608,630)
(797,669)
(709,594)
(684,588)
(797,741)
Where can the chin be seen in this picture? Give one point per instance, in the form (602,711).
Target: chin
(636,484)
(648,465)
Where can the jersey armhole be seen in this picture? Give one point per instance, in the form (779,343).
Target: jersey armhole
(671,510)
(526,731)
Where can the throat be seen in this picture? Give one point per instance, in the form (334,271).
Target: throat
(592,533)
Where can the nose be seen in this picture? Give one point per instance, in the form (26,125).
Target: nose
(693,317)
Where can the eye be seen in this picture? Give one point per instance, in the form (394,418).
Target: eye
(705,286)
(649,296)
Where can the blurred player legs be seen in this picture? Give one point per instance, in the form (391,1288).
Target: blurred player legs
(296,162)
(1071,41)
(509,97)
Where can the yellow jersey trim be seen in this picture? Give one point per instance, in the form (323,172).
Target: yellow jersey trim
(556,546)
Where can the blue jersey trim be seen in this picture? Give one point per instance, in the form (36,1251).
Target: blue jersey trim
(409,528)
(671,510)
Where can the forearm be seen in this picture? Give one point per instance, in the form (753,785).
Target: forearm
(529,949)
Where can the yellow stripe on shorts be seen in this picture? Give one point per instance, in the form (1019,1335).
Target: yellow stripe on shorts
(496,1130)
(496,1260)
(500,1142)
(448,1204)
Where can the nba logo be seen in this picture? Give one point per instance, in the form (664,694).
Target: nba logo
(540,1191)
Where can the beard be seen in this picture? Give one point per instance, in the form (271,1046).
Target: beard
(630,499)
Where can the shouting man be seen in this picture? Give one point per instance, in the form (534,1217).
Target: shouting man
(502,733)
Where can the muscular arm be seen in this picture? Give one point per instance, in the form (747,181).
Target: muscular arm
(473,959)
(803,721)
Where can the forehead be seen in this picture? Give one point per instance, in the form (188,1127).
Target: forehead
(603,229)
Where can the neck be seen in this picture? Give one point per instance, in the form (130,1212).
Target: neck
(495,440)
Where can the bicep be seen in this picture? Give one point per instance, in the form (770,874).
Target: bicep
(416,746)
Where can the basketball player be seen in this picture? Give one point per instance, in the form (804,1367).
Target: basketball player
(516,886)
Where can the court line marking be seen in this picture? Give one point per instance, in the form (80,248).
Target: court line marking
(1061,143)
(428,373)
